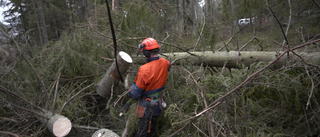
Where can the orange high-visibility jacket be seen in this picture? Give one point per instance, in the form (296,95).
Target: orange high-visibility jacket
(151,78)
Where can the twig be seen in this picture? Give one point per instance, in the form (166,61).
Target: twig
(85,127)
(55,93)
(9,133)
(253,38)
(111,95)
(204,22)
(316,3)
(178,48)
(175,60)
(204,134)
(126,129)
(289,22)
(74,97)
(19,97)
(181,129)
(312,88)
(12,104)
(226,44)
(274,15)
(9,119)
(122,95)
(166,37)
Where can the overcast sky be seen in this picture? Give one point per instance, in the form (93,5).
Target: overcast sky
(4,9)
(1,15)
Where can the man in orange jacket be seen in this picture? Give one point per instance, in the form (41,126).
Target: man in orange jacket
(148,87)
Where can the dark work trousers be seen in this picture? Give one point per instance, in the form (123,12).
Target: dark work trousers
(144,126)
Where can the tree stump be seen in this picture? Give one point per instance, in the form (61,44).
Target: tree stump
(105,133)
(105,84)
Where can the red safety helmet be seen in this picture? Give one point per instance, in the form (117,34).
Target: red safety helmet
(148,44)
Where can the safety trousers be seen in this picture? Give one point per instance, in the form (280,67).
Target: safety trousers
(143,127)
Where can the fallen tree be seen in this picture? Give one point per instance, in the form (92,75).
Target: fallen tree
(233,59)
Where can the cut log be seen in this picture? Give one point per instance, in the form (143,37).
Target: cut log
(105,84)
(105,133)
(58,125)
(234,59)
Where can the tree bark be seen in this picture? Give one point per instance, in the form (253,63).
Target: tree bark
(57,124)
(180,19)
(42,22)
(233,59)
(105,84)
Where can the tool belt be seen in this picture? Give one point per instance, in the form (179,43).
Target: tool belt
(150,102)
(157,97)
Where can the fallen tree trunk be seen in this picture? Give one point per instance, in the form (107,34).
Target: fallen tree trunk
(105,84)
(233,59)
(57,124)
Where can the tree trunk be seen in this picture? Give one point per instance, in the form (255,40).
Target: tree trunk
(233,59)
(194,18)
(42,22)
(180,18)
(57,124)
(105,84)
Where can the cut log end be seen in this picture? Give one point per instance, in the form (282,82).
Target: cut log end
(126,57)
(60,126)
(105,133)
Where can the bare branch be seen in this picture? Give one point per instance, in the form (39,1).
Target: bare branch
(312,87)
(9,133)
(204,23)
(274,15)
(289,23)
(9,119)
(55,94)
(204,134)
(316,3)
(19,97)
(177,48)
(253,38)
(22,108)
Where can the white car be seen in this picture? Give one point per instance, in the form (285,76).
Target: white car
(245,21)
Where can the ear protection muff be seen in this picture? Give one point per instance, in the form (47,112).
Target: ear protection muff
(145,52)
